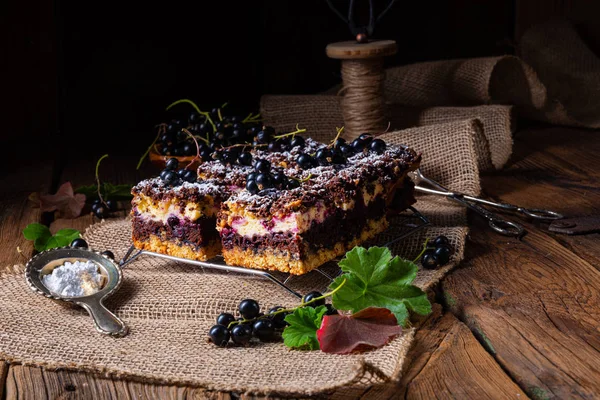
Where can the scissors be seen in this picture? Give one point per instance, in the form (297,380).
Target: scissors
(498,224)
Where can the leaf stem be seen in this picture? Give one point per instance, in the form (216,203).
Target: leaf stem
(98,178)
(422,251)
(288,310)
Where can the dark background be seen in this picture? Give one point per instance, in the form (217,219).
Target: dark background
(88,78)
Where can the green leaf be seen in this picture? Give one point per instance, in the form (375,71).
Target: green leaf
(375,279)
(68,232)
(303,325)
(40,243)
(35,231)
(58,241)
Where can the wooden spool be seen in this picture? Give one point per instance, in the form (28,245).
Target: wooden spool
(363,106)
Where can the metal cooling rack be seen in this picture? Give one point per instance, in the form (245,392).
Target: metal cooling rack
(401,226)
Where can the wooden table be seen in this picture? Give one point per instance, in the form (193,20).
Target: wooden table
(517,319)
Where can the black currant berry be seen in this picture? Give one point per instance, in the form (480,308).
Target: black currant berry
(172,164)
(111,205)
(264,181)
(366,137)
(274,147)
(346,150)
(323,156)
(278,319)
(189,149)
(249,308)
(108,254)
(338,142)
(245,159)
(378,146)
(79,242)
(219,335)
(305,161)
(278,180)
(262,166)
(225,319)
(252,187)
(292,183)
(100,212)
(189,176)
(170,177)
(443,253)
(331,310)
(263,137)
(264,330)
(297,141)
(181,172)
(430,260)
(358,145)
(241,334)
(440,240)
(313,295)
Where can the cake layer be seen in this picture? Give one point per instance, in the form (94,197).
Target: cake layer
(285,260)
(197,240)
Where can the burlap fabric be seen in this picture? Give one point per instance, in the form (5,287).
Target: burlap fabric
(169,307)
(555,79)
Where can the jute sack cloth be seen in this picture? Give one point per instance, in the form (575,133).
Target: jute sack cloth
(169,307)
(555,79)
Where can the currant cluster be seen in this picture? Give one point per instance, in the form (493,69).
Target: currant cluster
(438,254)
(262,178)
(340,150)
(252,323)
(215,130)
(102,209)
(172,176)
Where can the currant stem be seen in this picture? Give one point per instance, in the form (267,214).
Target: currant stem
(288,310)
(422,251)
(206,114)
(298,130)
(197,147)
(339,132)
(161,130)
(98,178)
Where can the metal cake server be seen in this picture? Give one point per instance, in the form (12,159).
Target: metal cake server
(497,223)
(44,262)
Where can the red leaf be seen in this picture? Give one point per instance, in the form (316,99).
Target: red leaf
(64,200)
(371,327)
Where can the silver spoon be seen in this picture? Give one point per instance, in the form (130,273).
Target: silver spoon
(43,263)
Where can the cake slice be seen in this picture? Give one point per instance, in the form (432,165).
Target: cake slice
(178,221)
(336,208)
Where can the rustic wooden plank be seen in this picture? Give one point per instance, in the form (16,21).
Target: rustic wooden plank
(25,383)
(448,362)
(4,367)
(16,211)
(550,172)
(534,304)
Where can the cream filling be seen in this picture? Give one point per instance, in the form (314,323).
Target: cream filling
(297,222)
(249,225)
(162,210)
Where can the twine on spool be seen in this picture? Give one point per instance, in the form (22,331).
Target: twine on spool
(363,105)
(362,101)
